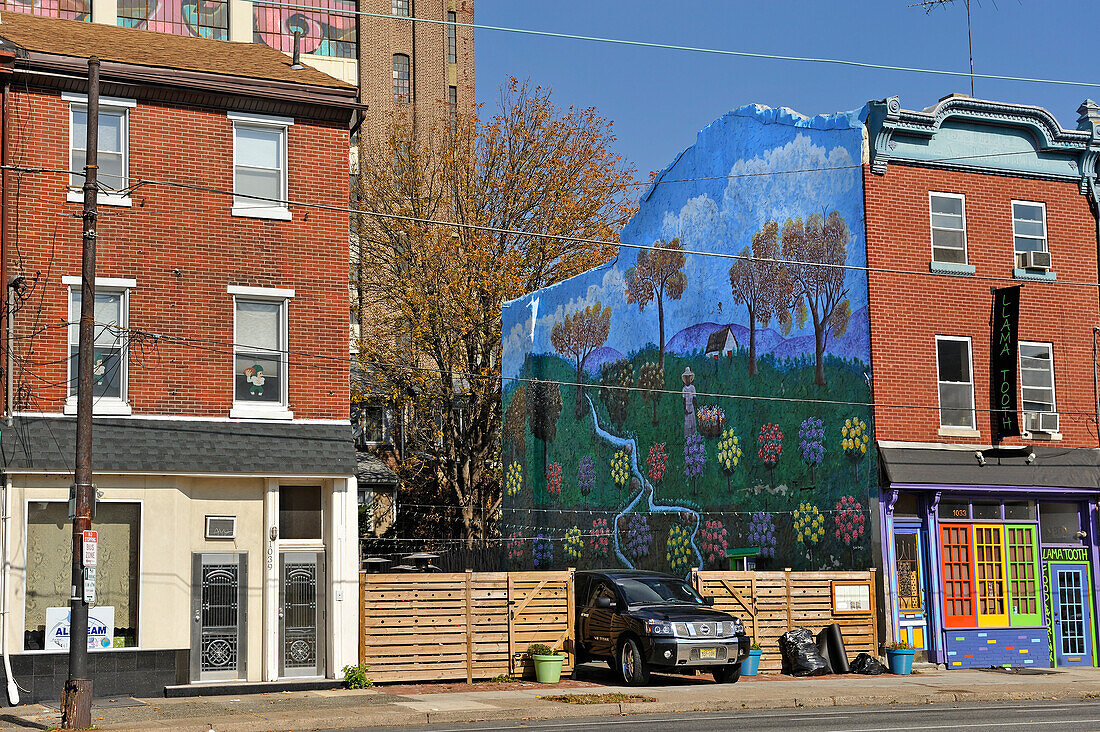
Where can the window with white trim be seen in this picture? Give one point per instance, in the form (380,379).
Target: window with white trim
(109,362)
(956,382)
(260,352)
(1037,377)
(947,212)
(113,152)
(1029,226)
(260,166)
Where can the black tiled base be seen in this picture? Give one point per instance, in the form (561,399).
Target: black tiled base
(40,676)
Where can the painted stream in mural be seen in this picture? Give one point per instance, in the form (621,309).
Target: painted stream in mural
(646,491)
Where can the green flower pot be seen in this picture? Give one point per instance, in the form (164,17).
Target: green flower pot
(751,665)
(548,668)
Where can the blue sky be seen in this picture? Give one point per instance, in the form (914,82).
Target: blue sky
(659,99)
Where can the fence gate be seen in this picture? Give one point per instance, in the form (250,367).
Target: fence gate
(542,611)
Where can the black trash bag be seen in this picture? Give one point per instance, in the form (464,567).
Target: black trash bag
(867,665)
(800,656)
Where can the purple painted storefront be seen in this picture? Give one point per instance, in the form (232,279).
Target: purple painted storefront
(990,555)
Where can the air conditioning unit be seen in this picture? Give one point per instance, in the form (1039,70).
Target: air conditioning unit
(1033,260)
(1045,422)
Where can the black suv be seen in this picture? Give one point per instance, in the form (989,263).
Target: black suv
(640,621)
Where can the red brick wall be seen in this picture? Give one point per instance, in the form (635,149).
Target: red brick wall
(908,311)
(168,229)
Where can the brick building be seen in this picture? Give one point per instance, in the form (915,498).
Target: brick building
(990,545)
(223,452)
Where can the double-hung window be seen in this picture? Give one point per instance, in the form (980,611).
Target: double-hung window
(1029,226)
(956,382)
(260,352)
(1037,377)
(113,149)
(260,166)
(452,37)
(947,212)
(401,8)
(401,75)
(109,358)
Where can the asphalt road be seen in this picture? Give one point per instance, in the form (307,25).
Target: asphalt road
(1030,716)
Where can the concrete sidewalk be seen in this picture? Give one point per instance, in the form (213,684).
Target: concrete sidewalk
(393,706)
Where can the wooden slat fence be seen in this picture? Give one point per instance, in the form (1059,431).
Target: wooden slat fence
(771,603)
(469,625)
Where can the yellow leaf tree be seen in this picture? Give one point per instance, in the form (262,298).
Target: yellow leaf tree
(443,238)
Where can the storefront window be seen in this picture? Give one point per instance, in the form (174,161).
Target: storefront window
(1059,523)
(958,590)
(1019,510)
(49,537)
(1023,571)
(906,505)
(299,512)
(954,510)
(987,510)
(989,563)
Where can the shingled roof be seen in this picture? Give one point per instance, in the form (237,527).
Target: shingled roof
(135,47)
(48,444)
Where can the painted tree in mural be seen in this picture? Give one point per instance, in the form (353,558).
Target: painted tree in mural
(820,247)
(515,424)
(543,410)
(763,287)
(651,380)
(659,274)
(430,294)
(577,336)
(617,380)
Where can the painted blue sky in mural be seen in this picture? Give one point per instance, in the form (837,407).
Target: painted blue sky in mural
(733,190)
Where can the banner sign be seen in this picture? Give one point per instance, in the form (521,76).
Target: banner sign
(1064,554)
(1004,363)
(101,627)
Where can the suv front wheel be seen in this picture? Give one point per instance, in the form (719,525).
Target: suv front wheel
(632,664)
(727,674)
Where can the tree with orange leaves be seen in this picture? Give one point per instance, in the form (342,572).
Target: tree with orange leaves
(659,274)
(455,220)
(577,335)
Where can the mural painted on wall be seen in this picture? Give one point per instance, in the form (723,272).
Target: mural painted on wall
(672,405)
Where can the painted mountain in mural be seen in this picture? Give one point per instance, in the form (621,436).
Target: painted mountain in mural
(599,357)
(855,343)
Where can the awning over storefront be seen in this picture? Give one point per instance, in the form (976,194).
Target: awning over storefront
(48,444)
(1075,468)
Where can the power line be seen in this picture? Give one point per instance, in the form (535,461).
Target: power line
(675,47)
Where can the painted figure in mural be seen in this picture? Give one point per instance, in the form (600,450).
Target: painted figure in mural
(689,403)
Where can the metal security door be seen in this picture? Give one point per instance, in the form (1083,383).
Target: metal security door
(1072,617)
(302,614)
(218,628)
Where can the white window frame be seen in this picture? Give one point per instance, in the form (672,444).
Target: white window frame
(113,104)
(932,228)
(961,430)
(1053,385)
(252,410)
(280,211)
(1046,230)
(109,406)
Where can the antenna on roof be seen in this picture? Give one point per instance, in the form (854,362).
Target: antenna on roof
(297,59)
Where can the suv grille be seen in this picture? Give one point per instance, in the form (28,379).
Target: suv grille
(704,630)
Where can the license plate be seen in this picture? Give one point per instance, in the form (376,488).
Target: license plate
(708,653)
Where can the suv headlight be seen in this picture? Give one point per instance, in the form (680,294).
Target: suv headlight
(658,627)
(733,628)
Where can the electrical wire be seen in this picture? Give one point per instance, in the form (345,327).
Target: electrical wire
(675,47)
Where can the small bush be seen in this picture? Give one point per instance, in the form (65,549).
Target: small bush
(355,677)
(755,646)
(539,649)
(899,646)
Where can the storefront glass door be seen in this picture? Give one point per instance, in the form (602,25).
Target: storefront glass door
(302,614)
(1072,614)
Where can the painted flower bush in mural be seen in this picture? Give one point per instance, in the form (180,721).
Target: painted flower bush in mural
(513,480)
(678,551)
(809,527)
(854,441)
(586,477)
(811,443)
(599,540)
(637,536)
(770,441)
(762,533)
(651,380)
(729,456)
(715,541)
(849,519)
(573,544)
(542,550)
(657,462)
(515,545)
(711,419)
(620,470)
(553,480)
(695,460)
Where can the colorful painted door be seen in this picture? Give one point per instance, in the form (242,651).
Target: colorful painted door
(909,581)
(1071,614)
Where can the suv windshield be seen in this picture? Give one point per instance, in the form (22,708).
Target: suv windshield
(657,590)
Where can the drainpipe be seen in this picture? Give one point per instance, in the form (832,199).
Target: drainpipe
(5,155)
(5,602)
(1091,184)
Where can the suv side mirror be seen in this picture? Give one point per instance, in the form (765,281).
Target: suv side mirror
(603,603)
(708,601)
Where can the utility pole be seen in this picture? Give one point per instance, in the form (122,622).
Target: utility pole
(76,698)
(928,5)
